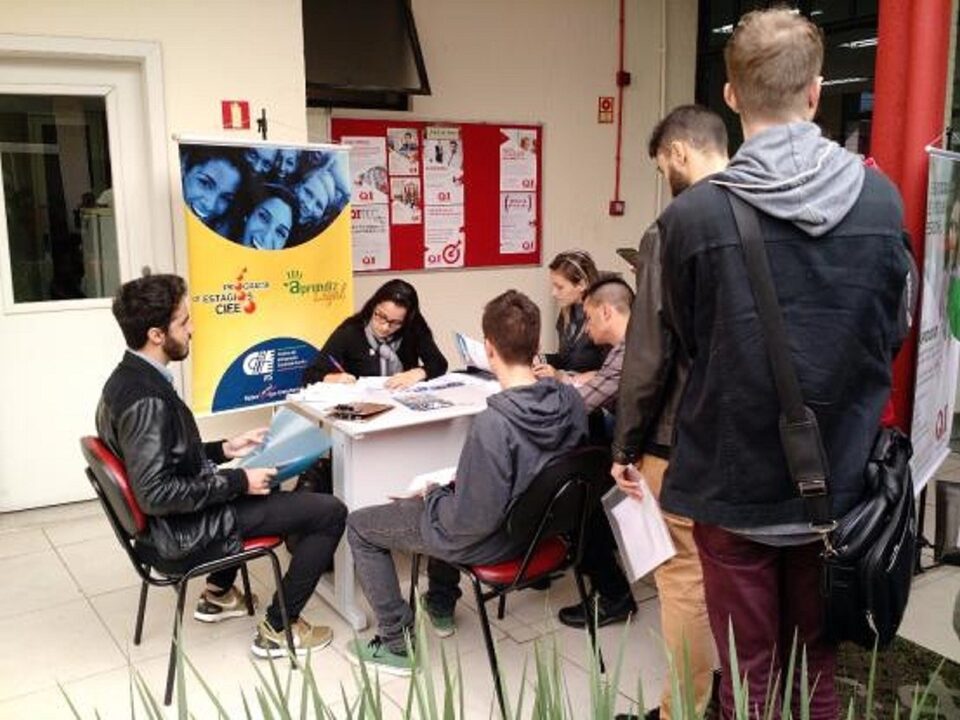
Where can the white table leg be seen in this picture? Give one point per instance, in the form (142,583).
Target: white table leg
(340,592)
(366,470)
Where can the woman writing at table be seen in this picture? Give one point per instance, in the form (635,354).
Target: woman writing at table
(389,337)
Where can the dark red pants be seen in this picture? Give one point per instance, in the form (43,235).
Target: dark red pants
(768,593)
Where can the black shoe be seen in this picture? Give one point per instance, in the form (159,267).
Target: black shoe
(648,715)
(608,612)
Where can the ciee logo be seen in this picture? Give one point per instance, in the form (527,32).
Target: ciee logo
(259,362)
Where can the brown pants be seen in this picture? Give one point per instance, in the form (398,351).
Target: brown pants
(683,610)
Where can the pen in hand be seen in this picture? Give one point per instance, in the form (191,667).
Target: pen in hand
(336,364)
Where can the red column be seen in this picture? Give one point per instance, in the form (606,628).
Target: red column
(910,91)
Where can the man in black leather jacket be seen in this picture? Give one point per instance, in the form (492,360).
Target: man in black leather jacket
(195,510)
(688,145)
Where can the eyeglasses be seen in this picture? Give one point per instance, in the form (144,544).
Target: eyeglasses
(384,320)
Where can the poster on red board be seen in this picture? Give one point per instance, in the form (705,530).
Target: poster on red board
(455,195)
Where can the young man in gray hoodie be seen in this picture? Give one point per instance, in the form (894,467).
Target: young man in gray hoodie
(524,427)
(833,234)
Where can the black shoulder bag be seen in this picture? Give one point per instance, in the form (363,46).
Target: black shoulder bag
(869,554)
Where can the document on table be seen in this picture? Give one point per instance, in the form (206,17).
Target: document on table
(419,484)
(640,530)
(292,444)
(472,352)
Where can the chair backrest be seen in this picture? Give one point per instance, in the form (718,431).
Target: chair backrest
(109,479)
(559,498)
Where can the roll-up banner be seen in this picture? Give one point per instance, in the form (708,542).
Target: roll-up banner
(938,352)
(270,270)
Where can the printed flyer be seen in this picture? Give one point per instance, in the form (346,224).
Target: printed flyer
(518,159)
(270,274)
(368,163)
(444,233)
(403,151)
(518,222)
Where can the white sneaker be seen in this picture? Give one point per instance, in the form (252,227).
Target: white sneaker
(214,608)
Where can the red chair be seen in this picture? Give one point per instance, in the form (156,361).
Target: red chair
(109,479)
(548,521)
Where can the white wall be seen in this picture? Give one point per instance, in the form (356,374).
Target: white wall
(212,50)
(498,60)
(547,61)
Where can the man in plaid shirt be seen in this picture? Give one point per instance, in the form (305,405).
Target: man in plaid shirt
(606,307)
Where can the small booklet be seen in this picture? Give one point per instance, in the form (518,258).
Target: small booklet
(472,353)
(419,484)
(292,444)
(641,532)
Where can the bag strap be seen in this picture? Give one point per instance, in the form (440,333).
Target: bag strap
(799,433)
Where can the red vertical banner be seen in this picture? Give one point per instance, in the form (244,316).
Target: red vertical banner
(910,86)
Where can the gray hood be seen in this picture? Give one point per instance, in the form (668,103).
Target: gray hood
(541,412)
(794,173)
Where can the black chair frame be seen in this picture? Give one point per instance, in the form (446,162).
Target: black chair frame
(151,575)
(577,488)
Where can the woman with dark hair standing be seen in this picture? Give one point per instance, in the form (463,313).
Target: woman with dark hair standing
(571,273)
(389,337)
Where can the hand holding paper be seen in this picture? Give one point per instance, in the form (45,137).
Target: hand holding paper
(638,525)
(425,482)
(244,443)
(628,479)
(292,444)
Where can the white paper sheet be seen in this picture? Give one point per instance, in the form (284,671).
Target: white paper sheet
(417,486)
(471,351)
(641,533)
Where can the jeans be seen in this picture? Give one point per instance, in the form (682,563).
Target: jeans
(318,519)
(768,594)
(372,533)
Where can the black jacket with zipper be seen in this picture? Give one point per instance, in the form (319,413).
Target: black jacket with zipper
(172,472)
(842,299)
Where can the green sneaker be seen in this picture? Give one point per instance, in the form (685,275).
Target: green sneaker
(443,625)
(375,654)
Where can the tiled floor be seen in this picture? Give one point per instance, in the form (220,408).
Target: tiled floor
(68,601)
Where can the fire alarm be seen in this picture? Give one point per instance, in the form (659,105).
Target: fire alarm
(605,106)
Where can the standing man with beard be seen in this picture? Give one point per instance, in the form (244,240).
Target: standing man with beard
(688,145)
(196,511)
(832,233)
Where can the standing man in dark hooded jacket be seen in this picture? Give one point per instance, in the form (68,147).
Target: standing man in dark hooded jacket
(832,230)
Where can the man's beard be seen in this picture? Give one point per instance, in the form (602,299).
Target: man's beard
(174,350)
(677,182)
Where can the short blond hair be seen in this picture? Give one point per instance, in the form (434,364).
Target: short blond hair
(772,58)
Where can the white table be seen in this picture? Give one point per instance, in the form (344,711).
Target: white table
(376,458)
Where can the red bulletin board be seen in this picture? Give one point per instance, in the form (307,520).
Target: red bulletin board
(402,221)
